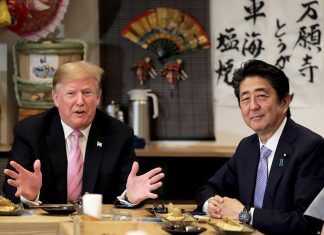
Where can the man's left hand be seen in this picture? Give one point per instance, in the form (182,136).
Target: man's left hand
(139,188)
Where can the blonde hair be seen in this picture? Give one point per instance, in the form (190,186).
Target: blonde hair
(77,70)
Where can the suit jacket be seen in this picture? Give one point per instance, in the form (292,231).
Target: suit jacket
(291,186)
(108,158)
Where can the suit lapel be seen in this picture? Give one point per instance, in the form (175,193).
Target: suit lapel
(93,158)
(57,151)
(279,164)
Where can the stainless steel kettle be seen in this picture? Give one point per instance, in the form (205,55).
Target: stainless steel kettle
(139,113)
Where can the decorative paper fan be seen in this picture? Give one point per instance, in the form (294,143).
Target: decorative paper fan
(166,32)
(35,19)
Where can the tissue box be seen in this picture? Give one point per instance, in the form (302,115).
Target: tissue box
(99,227)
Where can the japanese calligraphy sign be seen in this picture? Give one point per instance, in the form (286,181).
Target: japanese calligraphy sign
(287,34)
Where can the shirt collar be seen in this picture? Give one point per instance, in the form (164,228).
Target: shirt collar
(274,139)
(68,130)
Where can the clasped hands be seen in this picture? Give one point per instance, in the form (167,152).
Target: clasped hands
(138,188)
(224,206)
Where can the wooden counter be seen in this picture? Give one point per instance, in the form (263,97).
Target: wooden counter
(147,228)
(176,149)
(40,222)
(185,149)
(32,222)
(5,147)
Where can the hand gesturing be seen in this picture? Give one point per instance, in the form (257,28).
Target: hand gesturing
(28,183)
(140,187)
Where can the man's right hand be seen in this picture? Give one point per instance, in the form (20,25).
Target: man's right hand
(213,210)
(140,187)
(28,183)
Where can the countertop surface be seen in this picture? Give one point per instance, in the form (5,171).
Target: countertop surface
(185,149)
(176,149)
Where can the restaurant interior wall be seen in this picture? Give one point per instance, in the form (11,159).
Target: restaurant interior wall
(185,115)
(80,22)
(229,125)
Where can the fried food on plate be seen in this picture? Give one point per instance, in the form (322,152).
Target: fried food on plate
(6,205)
(174,214)
(228,224)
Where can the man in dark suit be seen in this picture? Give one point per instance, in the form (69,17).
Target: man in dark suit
(294,167)
(39,159)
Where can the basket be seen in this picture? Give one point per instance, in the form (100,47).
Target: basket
(35,64)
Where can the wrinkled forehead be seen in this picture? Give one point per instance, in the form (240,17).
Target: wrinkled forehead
(77,80)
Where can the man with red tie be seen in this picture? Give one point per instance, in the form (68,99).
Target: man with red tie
(74,148)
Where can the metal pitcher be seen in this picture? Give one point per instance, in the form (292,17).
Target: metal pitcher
(139,113)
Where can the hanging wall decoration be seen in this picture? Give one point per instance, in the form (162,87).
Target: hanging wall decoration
(144,70)
(5,18)
(173,74)
(35,19)
(166,32)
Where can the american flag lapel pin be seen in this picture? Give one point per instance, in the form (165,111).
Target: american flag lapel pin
(99,144)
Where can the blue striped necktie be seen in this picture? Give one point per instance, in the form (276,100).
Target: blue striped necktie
(262,177)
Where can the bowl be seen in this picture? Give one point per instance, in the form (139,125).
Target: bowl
(184,220)
(184,230)
(246,230)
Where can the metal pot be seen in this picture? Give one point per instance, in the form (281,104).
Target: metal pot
(139,112)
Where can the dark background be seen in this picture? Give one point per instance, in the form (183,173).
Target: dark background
(183,176)
(188,115)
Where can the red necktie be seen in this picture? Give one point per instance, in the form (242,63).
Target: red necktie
(75,168)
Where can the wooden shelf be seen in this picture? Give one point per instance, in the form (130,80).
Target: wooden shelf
(5,147)
(185,149)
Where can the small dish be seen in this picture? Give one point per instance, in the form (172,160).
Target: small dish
(184,229)
(182,221)
(246,230)
(15,212)
(58,209)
